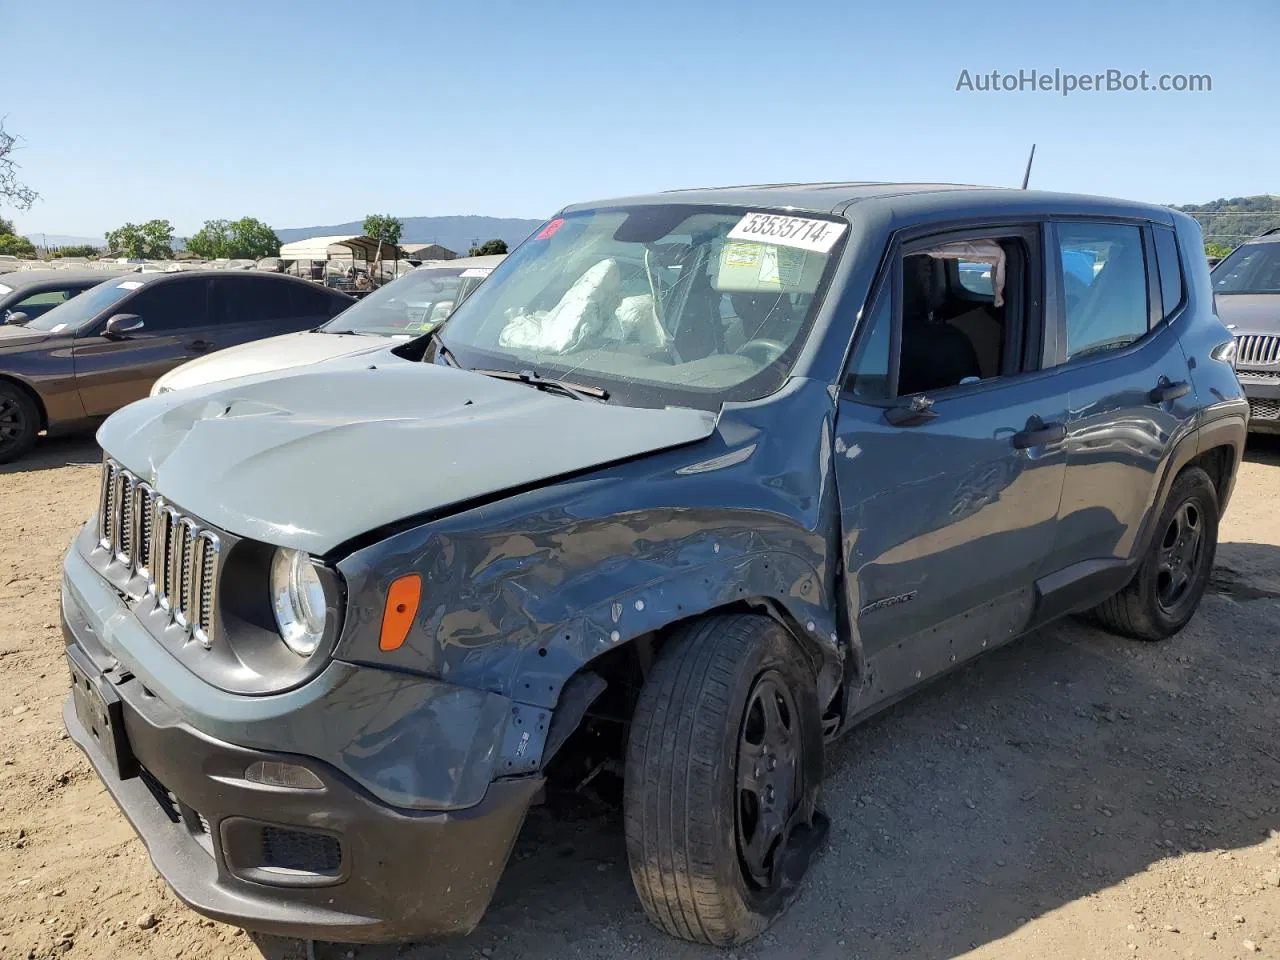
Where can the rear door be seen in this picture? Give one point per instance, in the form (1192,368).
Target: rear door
(1121,361)
(112,372)
(948,497)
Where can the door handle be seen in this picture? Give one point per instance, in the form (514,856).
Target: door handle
(1167,390)
(200,346)
(1037,433)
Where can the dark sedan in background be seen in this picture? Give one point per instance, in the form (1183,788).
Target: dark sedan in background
(92,355)
(28,294)
(1246,286)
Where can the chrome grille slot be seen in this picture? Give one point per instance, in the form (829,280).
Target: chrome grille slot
(1257,349)
(142,497)
(175,558)
(125,490)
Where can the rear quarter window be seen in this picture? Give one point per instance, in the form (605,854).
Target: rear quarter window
(1170,267)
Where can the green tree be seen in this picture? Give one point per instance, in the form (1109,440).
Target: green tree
(384,227)
(243,239)
(489,248)
(152,240)
(75,250)
(14,246)
(253,239)
(210,241)
(1218,250)
(6,226)
(12,190)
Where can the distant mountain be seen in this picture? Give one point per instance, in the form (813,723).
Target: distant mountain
(63,240)
(1232,222)
(456,233)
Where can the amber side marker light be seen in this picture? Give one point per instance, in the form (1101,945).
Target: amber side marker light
(402,607)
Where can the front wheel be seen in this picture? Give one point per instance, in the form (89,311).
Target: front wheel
(1167,586)
(723,761)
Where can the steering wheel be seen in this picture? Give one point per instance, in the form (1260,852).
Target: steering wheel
(765,351)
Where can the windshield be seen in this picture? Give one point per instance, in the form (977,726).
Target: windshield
(411,305)
(1252,268)
(69,317)
(665,304)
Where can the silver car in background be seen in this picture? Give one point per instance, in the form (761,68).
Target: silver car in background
(403,309)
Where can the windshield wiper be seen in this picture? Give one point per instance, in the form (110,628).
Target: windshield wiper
(443,351)
(576,390)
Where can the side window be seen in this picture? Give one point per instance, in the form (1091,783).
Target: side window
(1111,311)
(171,305)
(1170,270)
(869,371)
(975,277)
(41,303)
(318,302)
(251,300)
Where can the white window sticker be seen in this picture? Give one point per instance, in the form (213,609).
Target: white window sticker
(800,232)
(472,272)
(58,328)
(4,289)
(129,285)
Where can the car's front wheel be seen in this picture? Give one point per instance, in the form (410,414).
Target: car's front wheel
(723,762)
(19,422)
(1167,586)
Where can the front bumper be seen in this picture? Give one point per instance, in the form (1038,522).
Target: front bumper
(330,863)
(1262,388)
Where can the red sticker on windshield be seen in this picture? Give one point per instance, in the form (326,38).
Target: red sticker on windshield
(549,230)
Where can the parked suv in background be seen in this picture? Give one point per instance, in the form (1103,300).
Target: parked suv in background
(1246,284)
(691,485)
(88,357)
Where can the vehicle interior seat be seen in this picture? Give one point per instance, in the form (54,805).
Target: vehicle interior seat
(935,354)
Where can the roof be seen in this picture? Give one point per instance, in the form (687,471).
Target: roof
(835,197)
(317,248)
(30,278)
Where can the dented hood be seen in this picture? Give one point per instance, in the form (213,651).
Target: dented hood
(311,458)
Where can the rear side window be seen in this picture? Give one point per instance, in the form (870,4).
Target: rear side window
(1110,310)
(1170,270)
(252,300)
(171,305)
(315,302)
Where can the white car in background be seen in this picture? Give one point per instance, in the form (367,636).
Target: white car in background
(401,310)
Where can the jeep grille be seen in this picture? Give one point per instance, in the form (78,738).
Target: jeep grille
(174,556)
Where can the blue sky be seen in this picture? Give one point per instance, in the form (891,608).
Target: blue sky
(316,113)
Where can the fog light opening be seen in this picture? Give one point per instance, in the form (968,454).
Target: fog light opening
(273,773)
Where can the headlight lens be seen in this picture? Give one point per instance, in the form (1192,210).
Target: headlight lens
(298,598)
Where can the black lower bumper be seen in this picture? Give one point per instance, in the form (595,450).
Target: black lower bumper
(1264,403)
(326,863)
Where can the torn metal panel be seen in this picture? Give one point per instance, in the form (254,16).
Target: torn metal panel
(519,595)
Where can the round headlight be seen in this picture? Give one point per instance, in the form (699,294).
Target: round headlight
(298,599)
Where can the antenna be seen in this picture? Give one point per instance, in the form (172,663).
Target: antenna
(1026,177)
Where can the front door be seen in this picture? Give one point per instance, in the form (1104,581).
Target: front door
(113,372)
(949,496)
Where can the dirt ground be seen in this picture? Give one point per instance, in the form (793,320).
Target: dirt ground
(1071,796)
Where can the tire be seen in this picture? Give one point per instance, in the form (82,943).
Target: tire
(1153,606)
(19,422)
(687,816)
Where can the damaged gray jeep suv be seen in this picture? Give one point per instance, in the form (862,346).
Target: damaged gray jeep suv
(690,486)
